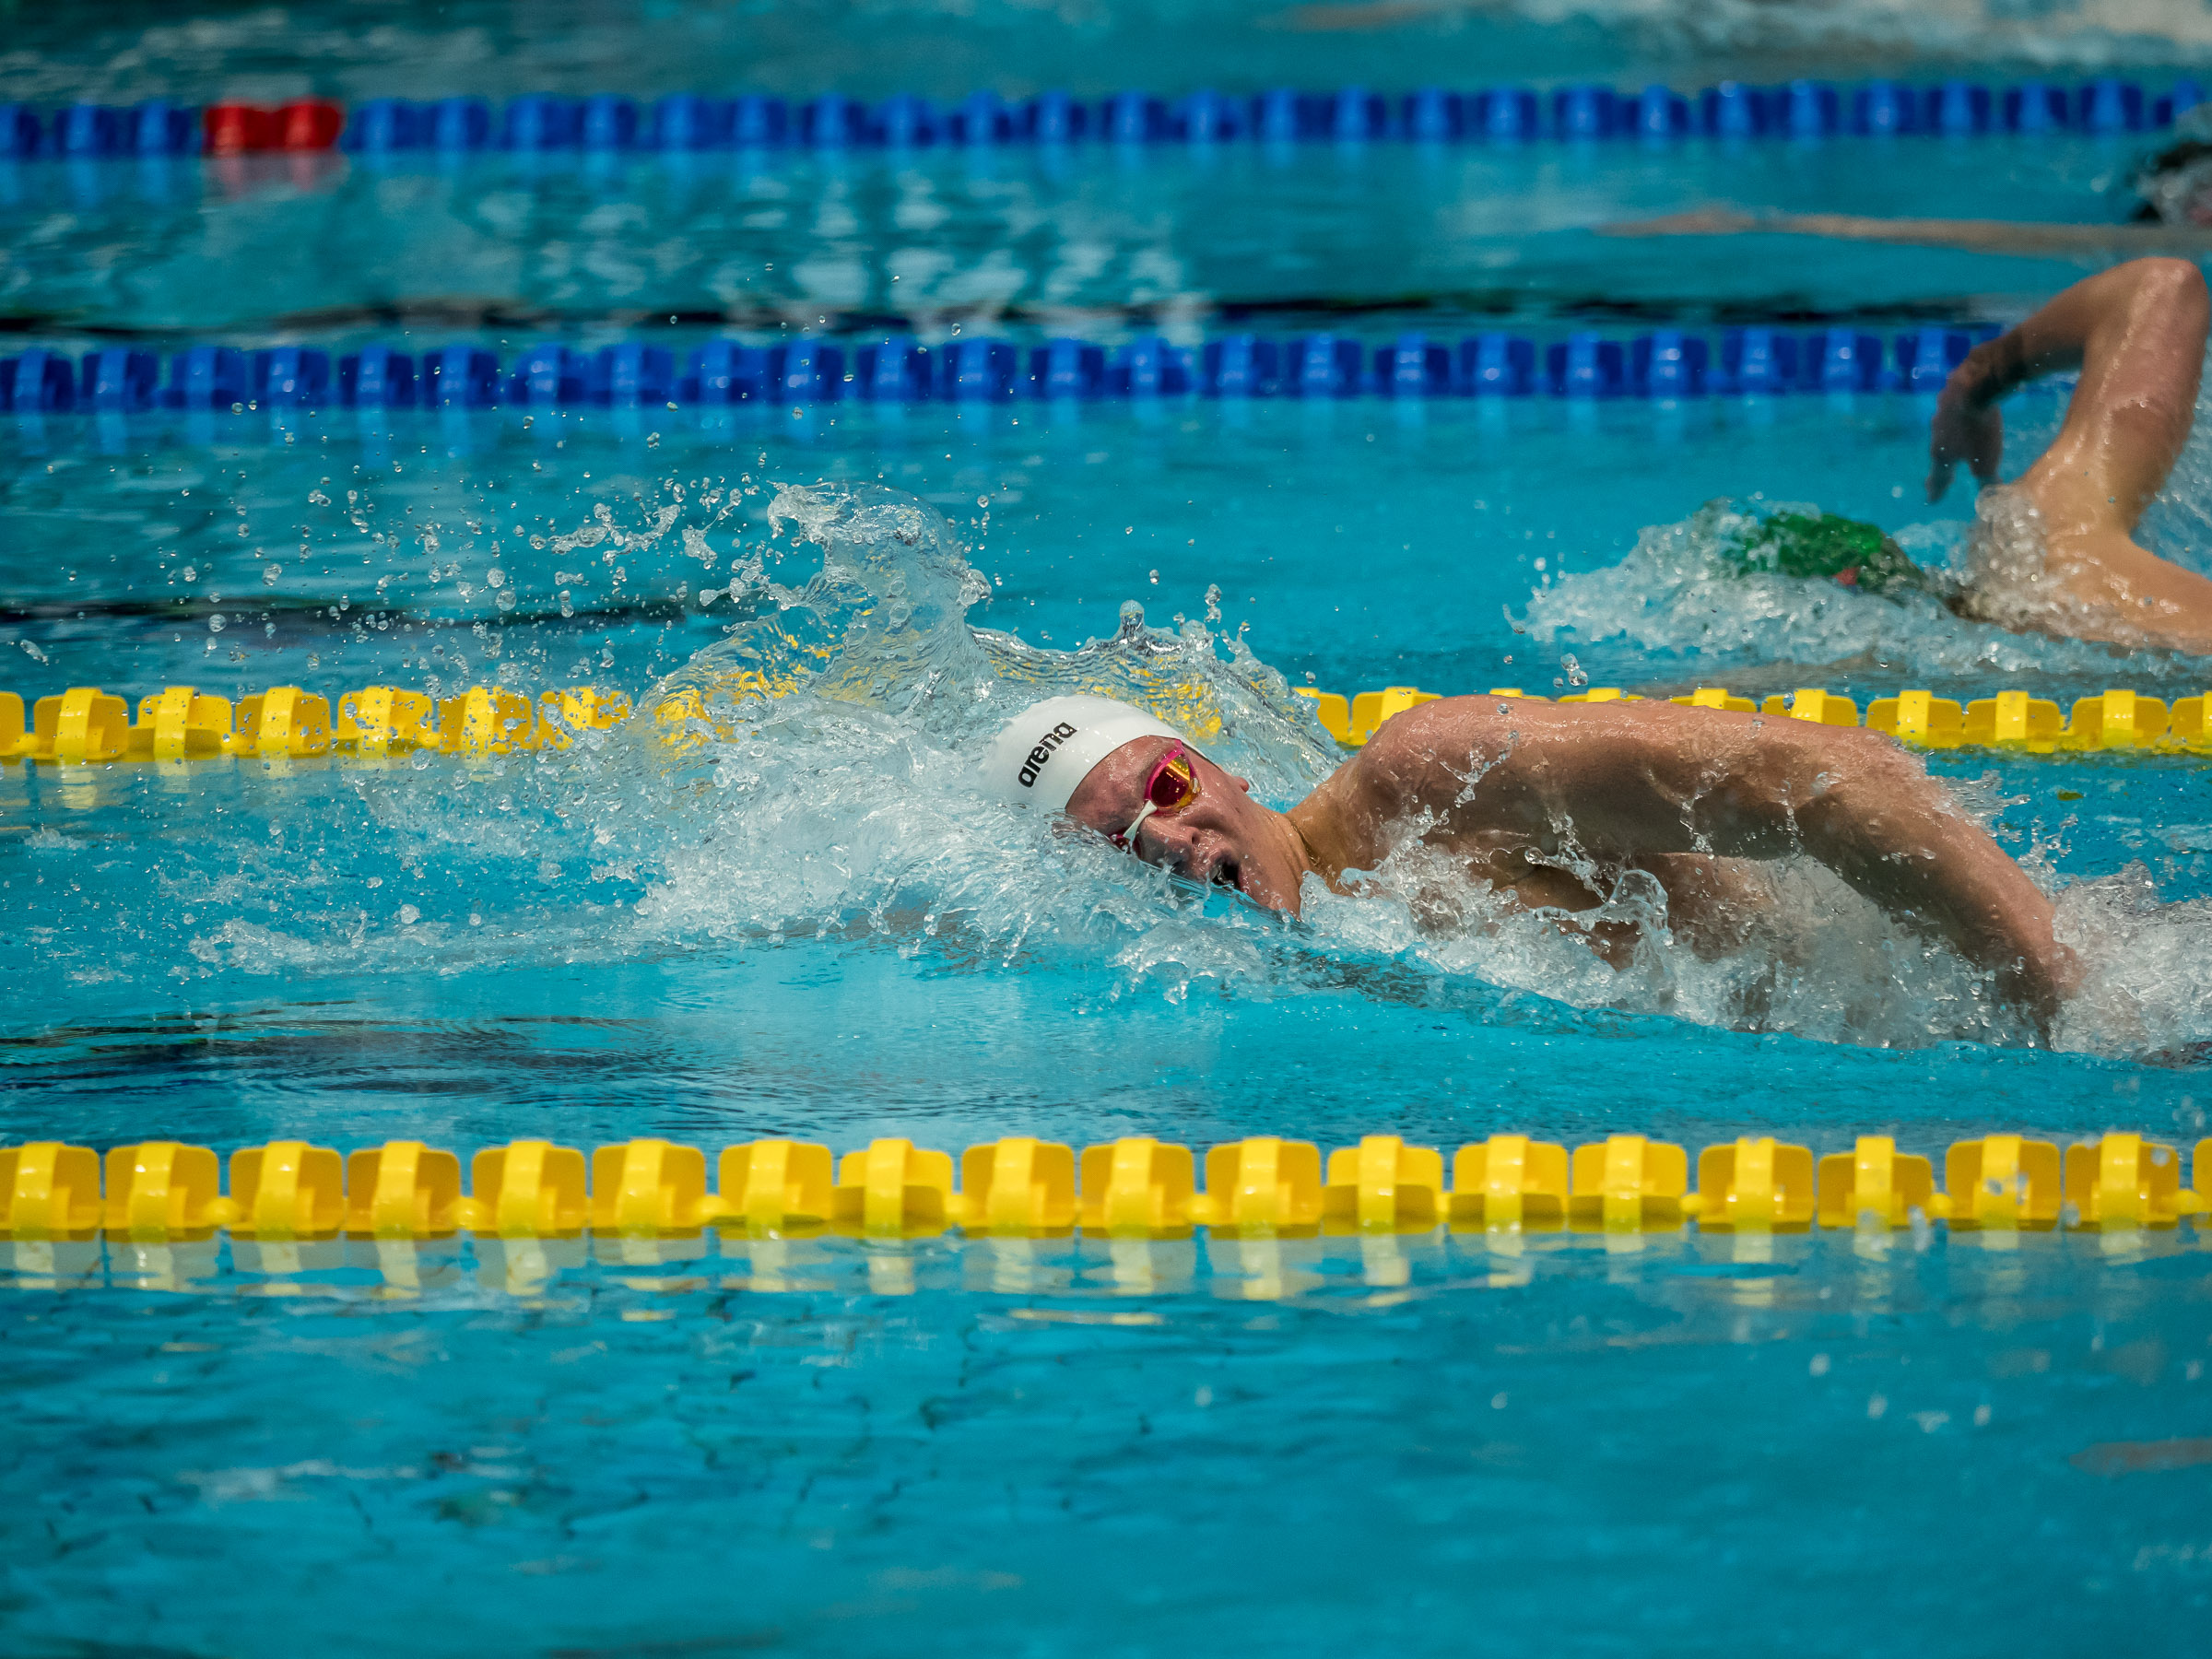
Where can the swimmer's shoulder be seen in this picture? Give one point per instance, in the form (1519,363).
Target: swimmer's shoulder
(1495,722)
(1451,736)
(1428,757)
(1480,730)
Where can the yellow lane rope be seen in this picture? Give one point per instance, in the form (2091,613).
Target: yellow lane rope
(1136,1187)
(2014,721)
(86,725)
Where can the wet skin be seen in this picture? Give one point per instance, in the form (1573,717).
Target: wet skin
(1520,791)
(2135,335)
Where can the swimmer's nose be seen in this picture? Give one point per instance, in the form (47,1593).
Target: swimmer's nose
(1172,844)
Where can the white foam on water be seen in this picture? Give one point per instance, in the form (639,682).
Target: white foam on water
(1680,598)
(826,792)
(846,808)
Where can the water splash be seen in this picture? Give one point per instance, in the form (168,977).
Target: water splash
(823,789)
(1683,601)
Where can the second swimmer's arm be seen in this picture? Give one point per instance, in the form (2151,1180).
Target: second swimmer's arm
(2136,332)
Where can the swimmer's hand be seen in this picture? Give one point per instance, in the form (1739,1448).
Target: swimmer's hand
(1967,426)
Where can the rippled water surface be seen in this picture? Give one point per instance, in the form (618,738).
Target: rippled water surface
(126,49)
(1093,238)
(815,928)
(798,917)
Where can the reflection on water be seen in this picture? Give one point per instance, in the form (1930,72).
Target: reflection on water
(1838,1273)
(1090,241)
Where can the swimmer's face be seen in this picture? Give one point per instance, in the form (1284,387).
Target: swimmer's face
(1219,838)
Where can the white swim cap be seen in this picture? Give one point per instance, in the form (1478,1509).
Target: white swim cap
(1048,749)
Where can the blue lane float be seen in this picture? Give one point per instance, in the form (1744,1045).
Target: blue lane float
(809,370)
(1801,109)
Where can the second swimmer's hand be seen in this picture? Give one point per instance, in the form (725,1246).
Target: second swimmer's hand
(1967,427)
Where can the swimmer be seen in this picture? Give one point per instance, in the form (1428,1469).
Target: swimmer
(2055,551)
(1548,805)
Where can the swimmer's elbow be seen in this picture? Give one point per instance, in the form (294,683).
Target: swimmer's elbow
(2177,283)
(2169,295)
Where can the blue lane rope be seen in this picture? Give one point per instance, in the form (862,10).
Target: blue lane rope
(1666,363)
(1799,110)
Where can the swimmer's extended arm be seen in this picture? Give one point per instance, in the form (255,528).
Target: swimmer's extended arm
(2137,334)
(1624,781)
(1979,236)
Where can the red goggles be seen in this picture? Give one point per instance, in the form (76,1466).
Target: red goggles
(1173,785)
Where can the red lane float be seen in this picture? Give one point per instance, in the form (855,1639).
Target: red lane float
(238,129)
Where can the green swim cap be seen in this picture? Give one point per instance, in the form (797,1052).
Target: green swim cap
(1823,544)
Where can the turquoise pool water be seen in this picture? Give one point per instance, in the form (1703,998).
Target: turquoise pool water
(814,932)
(815,929)
(1091,240)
